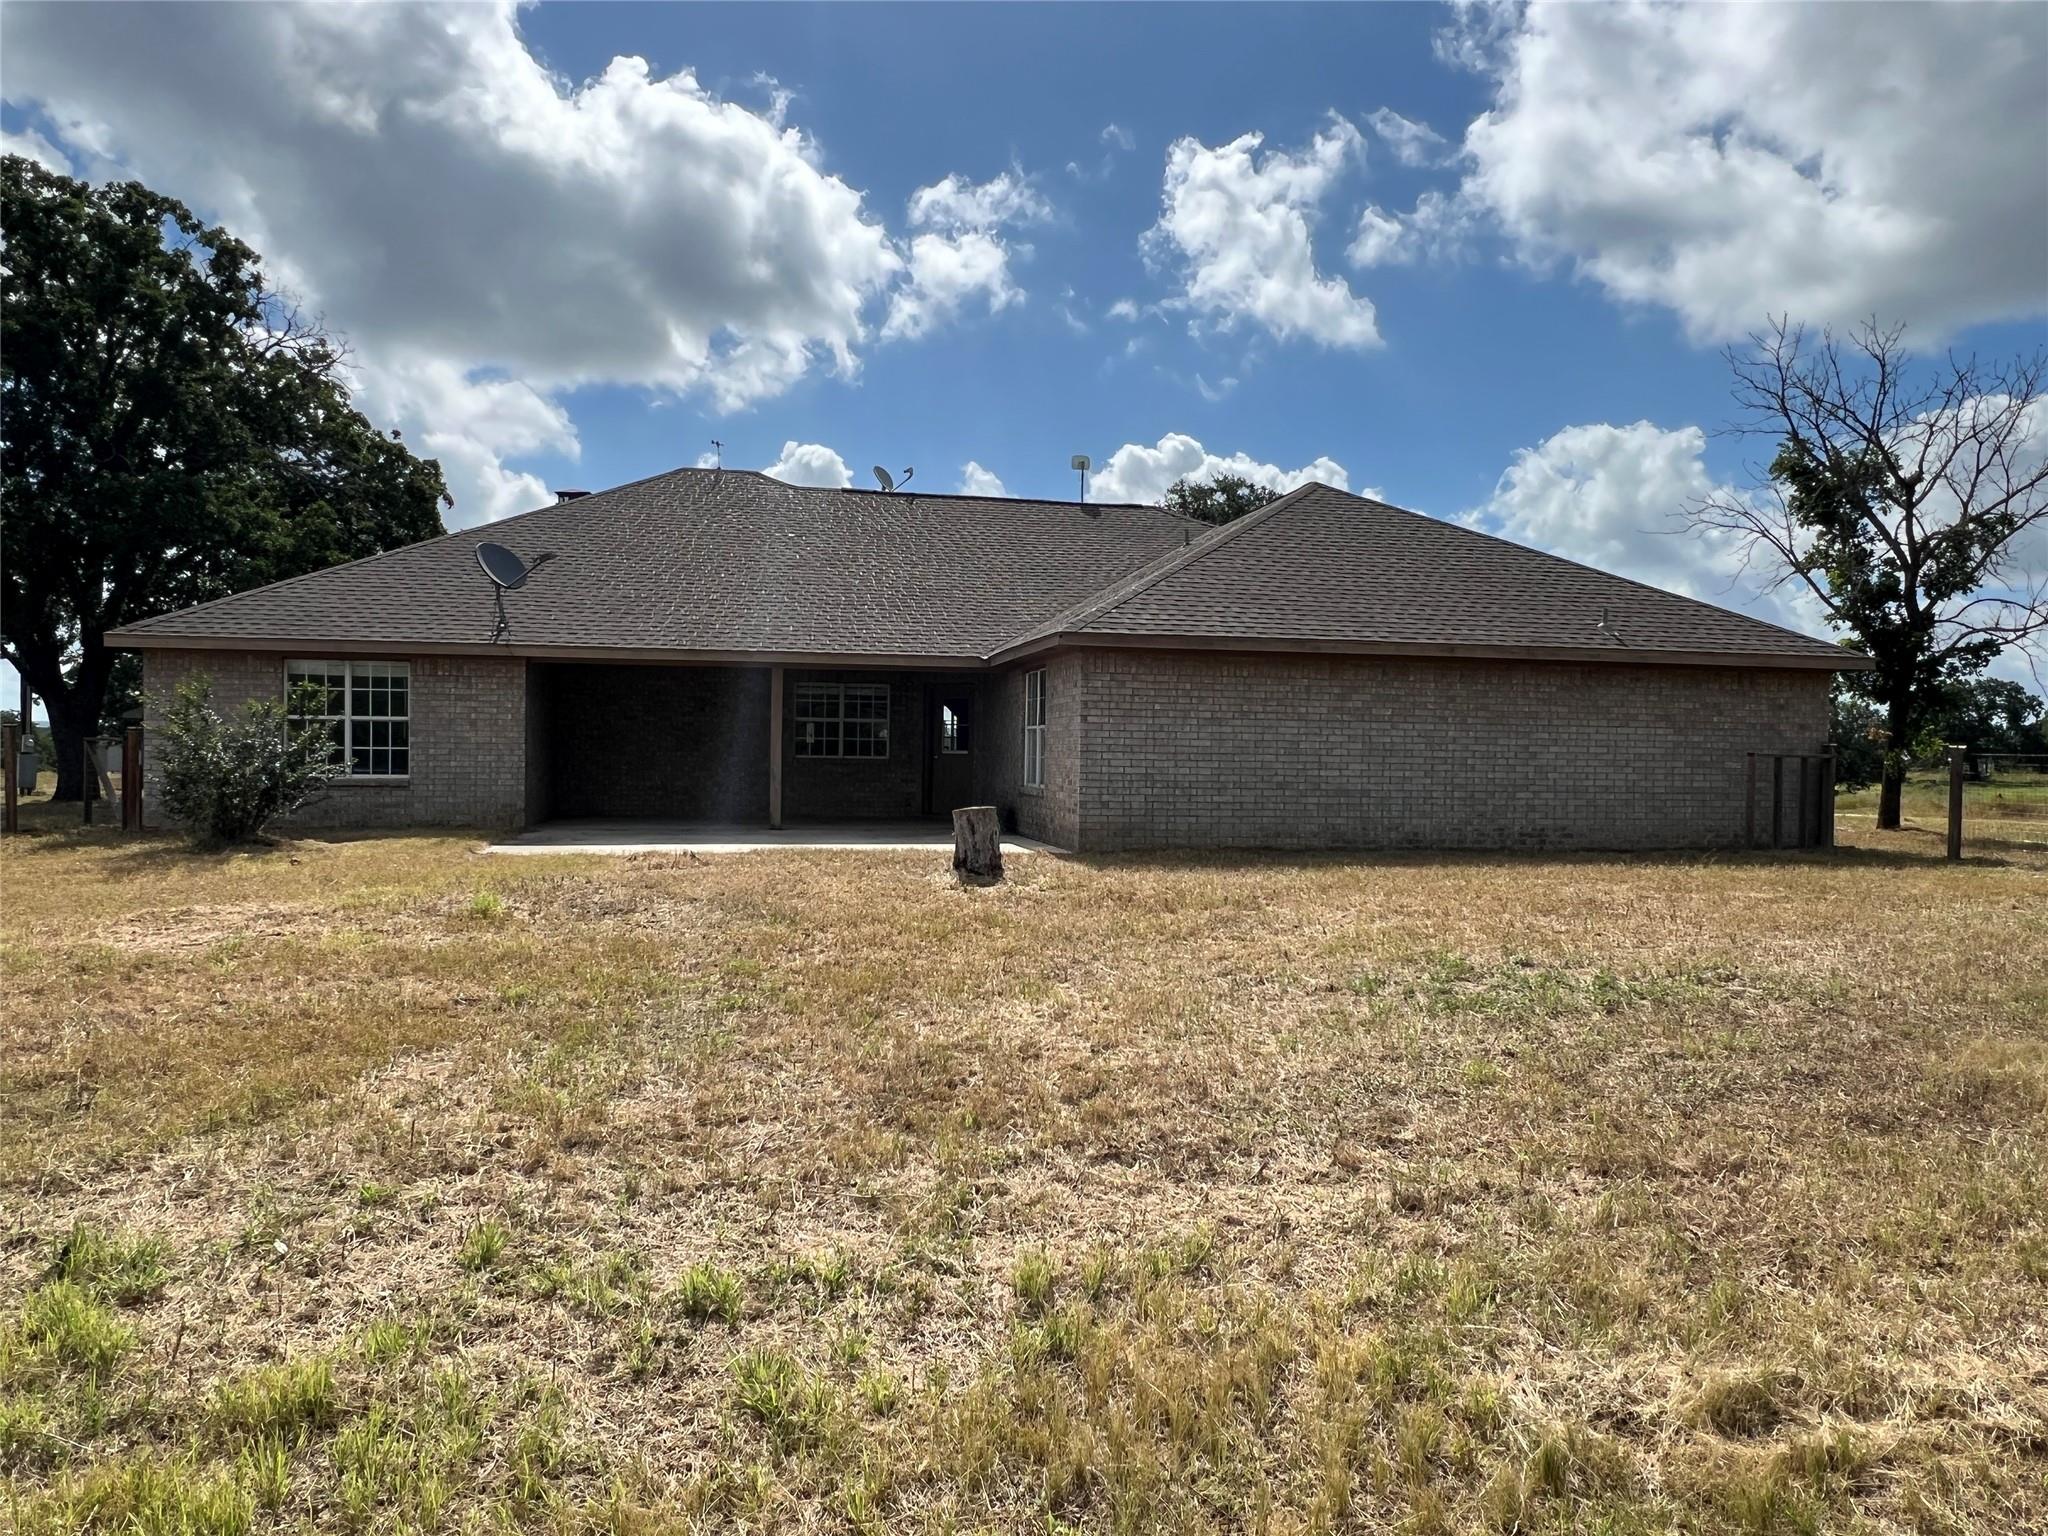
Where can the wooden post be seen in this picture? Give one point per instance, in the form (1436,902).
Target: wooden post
(1777,800)
(775,746)
(1955,802)
(978,844)
(9,744)
(1749,802)
(1827,797)
(131,780)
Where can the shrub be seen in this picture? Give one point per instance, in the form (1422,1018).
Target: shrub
(227,779)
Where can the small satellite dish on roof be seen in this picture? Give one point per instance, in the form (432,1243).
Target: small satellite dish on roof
(1083,463)
(508,573)
(502,566)
(889,482)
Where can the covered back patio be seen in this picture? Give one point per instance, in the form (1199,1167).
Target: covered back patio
(739,749)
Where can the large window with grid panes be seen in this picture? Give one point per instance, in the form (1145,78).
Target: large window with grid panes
(367,709)
(1034,729)
(842,720)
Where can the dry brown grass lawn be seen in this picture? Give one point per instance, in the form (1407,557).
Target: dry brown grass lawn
(380,1185)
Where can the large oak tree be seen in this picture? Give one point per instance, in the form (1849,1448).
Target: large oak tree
(173,432)
(1909,495)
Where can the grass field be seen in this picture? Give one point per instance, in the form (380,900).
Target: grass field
(2006,813)
(378,1185)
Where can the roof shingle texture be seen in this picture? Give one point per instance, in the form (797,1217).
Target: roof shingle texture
(723,561)
(732,561)
(1324,565)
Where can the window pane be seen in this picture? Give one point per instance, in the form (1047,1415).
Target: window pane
(953,734)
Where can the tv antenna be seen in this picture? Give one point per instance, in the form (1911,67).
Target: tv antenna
(508,573)
(1607,629)
(717,454)
(889,482)
(1083,463)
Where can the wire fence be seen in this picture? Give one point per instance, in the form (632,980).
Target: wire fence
(2001,801)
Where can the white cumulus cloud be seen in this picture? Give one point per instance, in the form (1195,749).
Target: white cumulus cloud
(456,208)
(1731,162)
(946,271)
(1615,497)
(1436,229)
(965,255)
(1138,473)
(955,203)
(810,464)
(976,481)
(1236,223)
(33,146)
(1413,144)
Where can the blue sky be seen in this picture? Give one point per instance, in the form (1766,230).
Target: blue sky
(1480,262)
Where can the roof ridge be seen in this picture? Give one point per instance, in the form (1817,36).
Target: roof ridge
(1597,570)
(1133,583)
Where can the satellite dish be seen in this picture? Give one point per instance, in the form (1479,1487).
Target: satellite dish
(508,573)
(1080,461)
(884,479)
(504,568)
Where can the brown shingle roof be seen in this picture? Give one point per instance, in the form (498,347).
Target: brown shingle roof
(700,560)
(697,561)
(1321,567)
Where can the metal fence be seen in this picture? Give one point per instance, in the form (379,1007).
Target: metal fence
(1995,801)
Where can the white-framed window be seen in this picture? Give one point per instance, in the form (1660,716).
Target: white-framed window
(1034,729)
(842,720)
(367,706)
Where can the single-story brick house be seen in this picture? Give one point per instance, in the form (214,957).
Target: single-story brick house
(1327,672)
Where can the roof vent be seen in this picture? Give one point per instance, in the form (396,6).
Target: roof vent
(562,496)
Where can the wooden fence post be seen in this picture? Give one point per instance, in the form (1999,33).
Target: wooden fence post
(9,742)
(131,780)
(1827,798)
(1955,802)
(1777,799)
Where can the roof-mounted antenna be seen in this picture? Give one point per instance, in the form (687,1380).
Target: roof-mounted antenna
(1083,463)
(889,482)
(1607,629)
(508,573)
(717,454)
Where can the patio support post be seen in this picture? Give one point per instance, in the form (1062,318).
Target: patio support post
(775,746)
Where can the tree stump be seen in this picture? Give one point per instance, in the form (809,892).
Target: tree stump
(978,844)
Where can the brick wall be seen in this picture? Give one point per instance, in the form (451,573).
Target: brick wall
(468,738)
(1198,750)
(1052,813)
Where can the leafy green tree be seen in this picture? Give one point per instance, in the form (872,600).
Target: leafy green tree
(1984,715)
(1910,497)
(1858,732)
(173,432)
(225,780)
(1222,500)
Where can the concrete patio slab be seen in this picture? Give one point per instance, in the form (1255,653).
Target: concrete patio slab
(603,836)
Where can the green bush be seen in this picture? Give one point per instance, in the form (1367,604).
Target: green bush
(227,779)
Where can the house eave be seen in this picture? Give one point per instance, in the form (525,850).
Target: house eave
(1840,661)
(1843,661)
(148,640)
